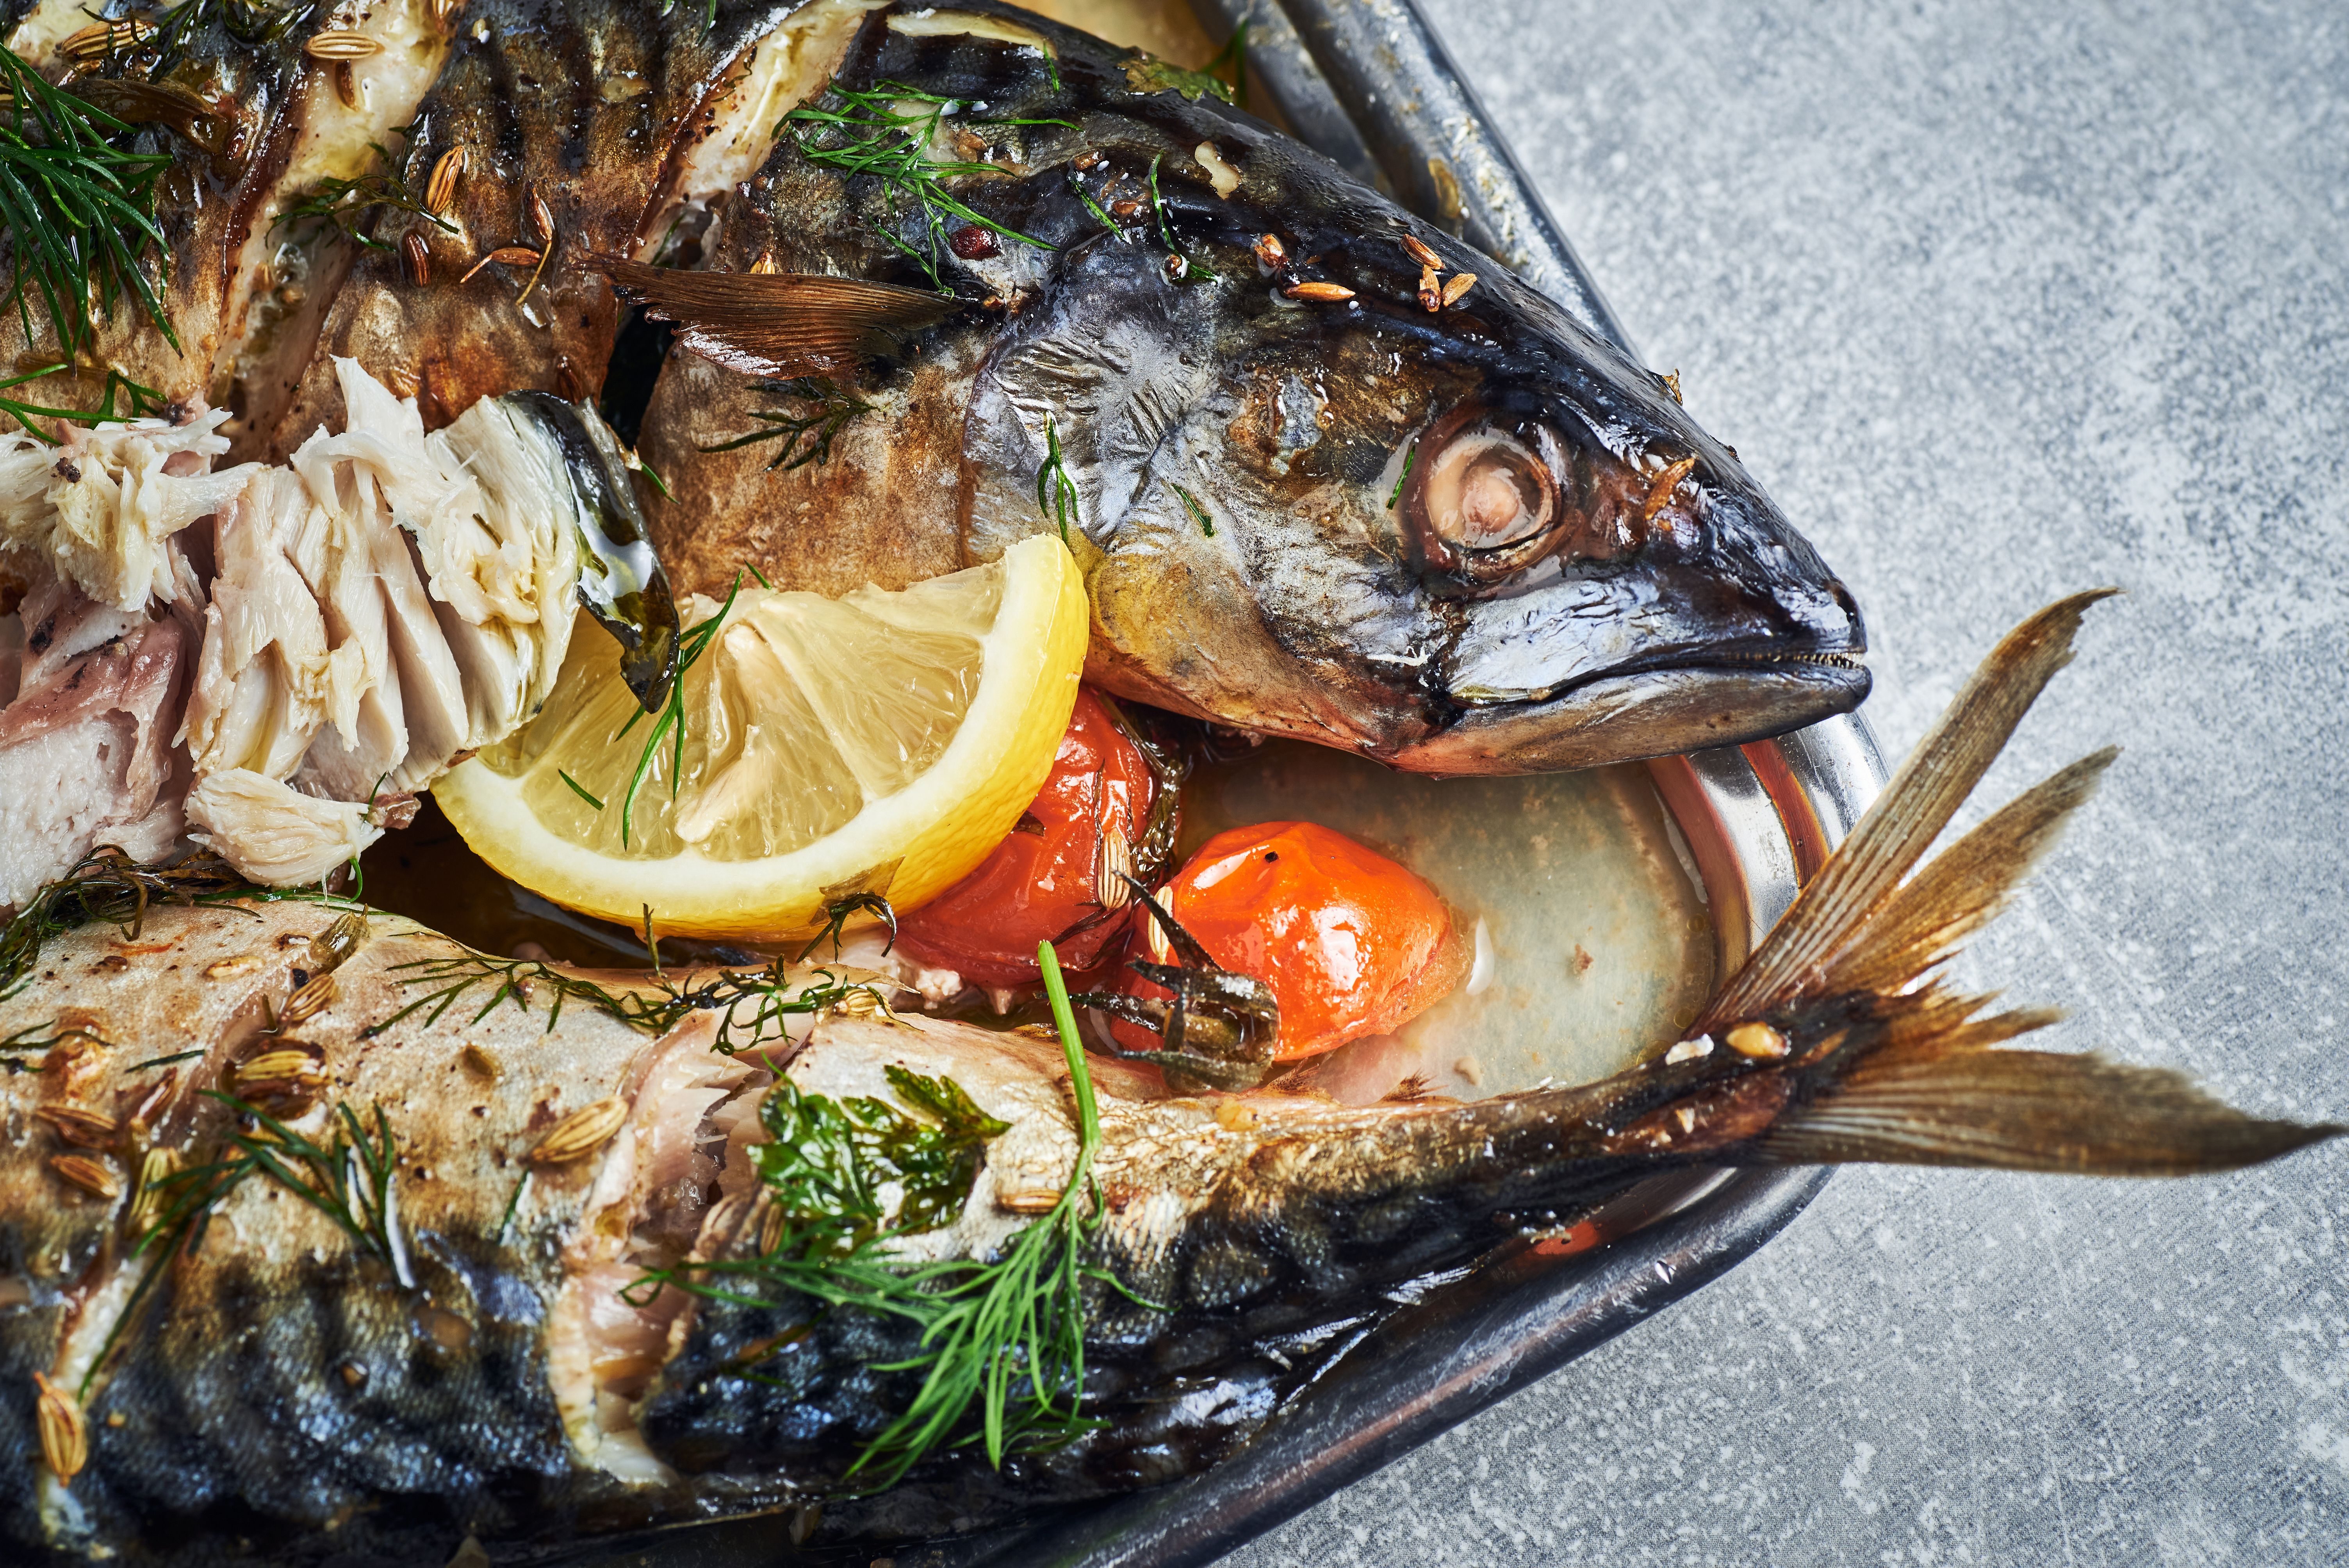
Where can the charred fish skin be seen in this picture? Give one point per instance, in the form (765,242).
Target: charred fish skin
(553,124)
(1466,539)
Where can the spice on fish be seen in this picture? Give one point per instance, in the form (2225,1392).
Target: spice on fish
(95,1177)
(417,253)
(1318,293)
(440,185)
(504,255)
(65,1436)
(345,202)
(1456,286)
(582,1132)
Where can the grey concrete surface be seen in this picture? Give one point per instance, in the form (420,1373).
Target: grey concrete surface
(1999,300)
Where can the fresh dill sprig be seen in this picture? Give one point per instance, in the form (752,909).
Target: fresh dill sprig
(836,916)
(138,402)
(1056,493)
(754,1006)
(1001,1343)
(1198,513)
(352,1181)
(830,409)
(1410,456)
(876,133)
(670,725)
(1101,213)
(345,203)
(105,885)
(78,207)
(1193,270)
(251,22)
(1233,54)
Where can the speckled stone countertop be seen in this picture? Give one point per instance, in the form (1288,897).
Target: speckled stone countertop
(1999,300)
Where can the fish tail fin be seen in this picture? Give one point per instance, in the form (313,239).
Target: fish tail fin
(1841,1020)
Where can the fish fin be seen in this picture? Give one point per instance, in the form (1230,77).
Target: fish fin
(1867,1056)
(2027,1111)
(1866,869)
(779,324)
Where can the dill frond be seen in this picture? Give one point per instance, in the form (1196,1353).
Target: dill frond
(830,409)
(1056,493)
(885,133)
(671,725)
(138,402)
(80,209)
(343,204)
(754,1006)
(1002,1353)
(105,885)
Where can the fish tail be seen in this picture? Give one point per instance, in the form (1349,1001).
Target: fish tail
(1846,1043)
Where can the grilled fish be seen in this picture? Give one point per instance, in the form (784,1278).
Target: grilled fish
(1332,474)
(443,1326)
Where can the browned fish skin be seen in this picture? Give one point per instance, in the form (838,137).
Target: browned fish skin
(576,105)
(209,206)
(1259,549)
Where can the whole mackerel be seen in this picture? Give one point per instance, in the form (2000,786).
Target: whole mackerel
(474,1325)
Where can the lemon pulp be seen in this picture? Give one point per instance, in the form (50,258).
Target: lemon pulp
(880,742)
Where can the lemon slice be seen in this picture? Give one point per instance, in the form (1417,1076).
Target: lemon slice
(879,742)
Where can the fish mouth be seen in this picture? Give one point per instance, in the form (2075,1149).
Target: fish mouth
(1652,708)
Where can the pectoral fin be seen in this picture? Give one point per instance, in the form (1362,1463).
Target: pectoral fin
(779,323)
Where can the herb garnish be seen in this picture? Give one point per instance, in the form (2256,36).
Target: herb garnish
(138,402)
(873,133)
(830,407)
(754,1006)
(345,203)
(1002,1342)
(1193,271)
(1410,456)
(1199,513)
(107,885)
(691,647)
(1056,493)
(80,209)
(351,1182)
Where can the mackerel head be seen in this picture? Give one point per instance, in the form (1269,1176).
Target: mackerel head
(1330,472)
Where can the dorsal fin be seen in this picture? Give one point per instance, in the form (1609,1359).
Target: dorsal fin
(779,324)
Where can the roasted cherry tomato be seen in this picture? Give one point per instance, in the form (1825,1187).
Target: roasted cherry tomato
(1351,942)
(1042,881)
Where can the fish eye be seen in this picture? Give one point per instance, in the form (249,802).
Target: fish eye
(1487,494)
(1486,490)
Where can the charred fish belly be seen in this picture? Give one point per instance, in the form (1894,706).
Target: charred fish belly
(942,278)
(325,1236)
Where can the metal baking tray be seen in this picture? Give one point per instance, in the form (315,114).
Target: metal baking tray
(1369,84)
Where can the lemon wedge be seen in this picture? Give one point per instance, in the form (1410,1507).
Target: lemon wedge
(877,743)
